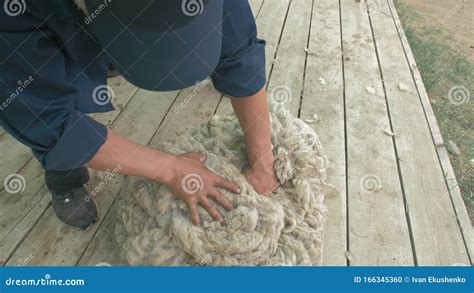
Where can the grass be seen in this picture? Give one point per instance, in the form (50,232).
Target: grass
(442,70)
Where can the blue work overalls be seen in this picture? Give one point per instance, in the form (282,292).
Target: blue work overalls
(49,65)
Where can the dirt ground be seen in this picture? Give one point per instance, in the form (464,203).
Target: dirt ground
(454,18)
(441,35)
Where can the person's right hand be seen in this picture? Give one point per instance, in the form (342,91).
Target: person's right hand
(194,183)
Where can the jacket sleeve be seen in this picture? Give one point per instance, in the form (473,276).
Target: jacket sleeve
(241,70)
(60,137)
(38,104)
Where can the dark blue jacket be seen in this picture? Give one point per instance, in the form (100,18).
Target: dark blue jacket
(50,66)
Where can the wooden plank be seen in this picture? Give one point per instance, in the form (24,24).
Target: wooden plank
(378,229)
(21,211)
(323,96)
(104,248)
(256,6)
(193,106)
(270,24)
(435,131)
(15,156)
(123,92)
(286,82)
(458,203)
(28,216)
(453,253)
(288,71)
(60,245)
(436,233)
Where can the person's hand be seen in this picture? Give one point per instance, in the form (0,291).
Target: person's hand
(263,179)
(194,183)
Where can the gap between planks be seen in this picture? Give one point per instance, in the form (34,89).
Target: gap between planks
(452,185)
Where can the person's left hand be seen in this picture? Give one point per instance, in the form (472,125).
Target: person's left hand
(263,180)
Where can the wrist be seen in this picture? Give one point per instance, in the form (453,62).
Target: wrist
(262,162)
(164,167)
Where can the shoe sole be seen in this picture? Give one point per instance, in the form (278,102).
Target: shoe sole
(91,224)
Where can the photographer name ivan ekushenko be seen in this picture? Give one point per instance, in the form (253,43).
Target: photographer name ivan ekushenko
(432,279)
(417,280)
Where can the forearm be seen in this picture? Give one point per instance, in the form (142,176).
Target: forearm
(132,158)
(254,118)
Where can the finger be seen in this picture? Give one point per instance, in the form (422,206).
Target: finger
(221,199)
(196,156)
(193,210)
(226,184)
(206,204)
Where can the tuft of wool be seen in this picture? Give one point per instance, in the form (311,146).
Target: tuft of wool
(81,4)
(286,229)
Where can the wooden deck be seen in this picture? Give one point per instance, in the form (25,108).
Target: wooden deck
(360,78)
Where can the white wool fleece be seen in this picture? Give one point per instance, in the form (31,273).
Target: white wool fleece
(154,227)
